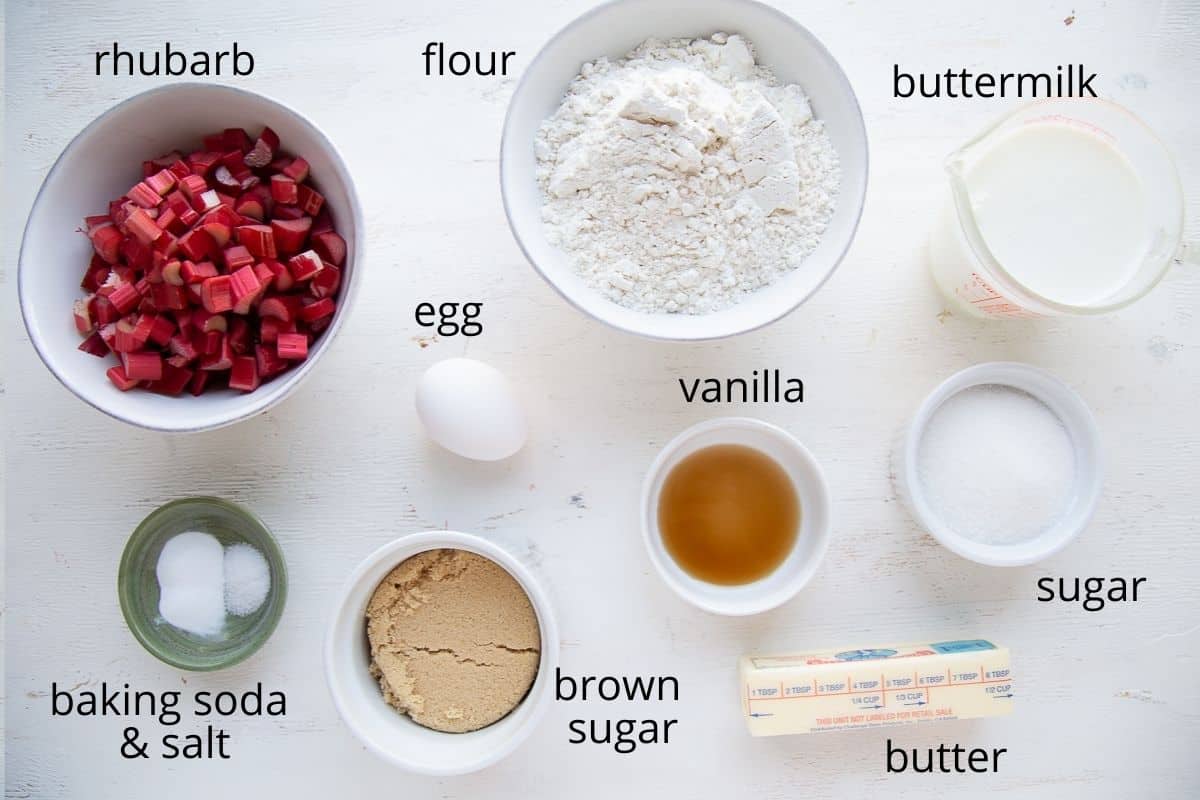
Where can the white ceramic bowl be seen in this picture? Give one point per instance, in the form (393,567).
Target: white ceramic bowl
(392,735)
(101,163)
(815,518)
(1075,417)
(612,30)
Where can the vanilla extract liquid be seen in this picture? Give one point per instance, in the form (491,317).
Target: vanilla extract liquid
(728,514)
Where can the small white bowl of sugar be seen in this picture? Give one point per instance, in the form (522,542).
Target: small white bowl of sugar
(1001,464)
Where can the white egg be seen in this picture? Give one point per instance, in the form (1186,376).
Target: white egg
(470,409)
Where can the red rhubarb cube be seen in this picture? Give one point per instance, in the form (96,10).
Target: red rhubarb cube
(258,239)
(142,366)
(216,294)
(305,265)
(243,376)
(292,346)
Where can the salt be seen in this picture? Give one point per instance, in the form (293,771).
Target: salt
(996,465)
(191,579)
(200,582)
(247,579)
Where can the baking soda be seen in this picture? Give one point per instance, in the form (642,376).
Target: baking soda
(200,582)
(996,465)
(191,580)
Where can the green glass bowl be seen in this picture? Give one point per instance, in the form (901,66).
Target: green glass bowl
(137,584)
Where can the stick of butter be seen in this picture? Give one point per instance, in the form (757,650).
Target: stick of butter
(875,687)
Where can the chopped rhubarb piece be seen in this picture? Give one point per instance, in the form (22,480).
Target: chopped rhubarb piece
(192,187)
(126,340)
(269,362)
(292,346)
(142,226)
(182,346)
(258,239)
(206,200)
(297,170)
(173,381)
(264,148)
(172,273)
(246,289)
(168,297)
(120,379)
(270,328)
(166,245)
(161,182)
(305,265)
(168,220)
(103,311)
(203,161)
(250,207)
(331,247)
(283,276)
(288,212)
(237,138)
(162,330)
(326,282)
(224,178)
(176,361)
(290,235)
(142,366)
(124,297)
(209,343)
(83,315)
(180,169)
(143,328)
(144,195)
(318,310)
(197,245)
(237,256)
(106,241)
(216,294)
(322,222)
(317,326)
(136,255)
(225,215)
(280,307)
(97,273)
(108,333)
(283,190)
(199,382)
(244,374)
(309,199)
(95,345)
(265,274)
(193,272)
(217,229)
(239,336)
(222,359)
(204,320)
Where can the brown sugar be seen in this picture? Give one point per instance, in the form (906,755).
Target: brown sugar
(454,640)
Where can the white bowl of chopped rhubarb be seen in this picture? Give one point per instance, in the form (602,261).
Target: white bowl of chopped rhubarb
(190,257)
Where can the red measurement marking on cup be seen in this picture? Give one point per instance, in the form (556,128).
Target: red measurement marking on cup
(979,293)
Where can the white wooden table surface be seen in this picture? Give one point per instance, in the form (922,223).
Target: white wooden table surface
(1108,703)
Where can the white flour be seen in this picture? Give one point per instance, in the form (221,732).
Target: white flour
(683,176)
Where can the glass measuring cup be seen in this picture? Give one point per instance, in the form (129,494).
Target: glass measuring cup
(966,269)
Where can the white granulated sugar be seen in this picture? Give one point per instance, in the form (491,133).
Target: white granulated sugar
(996,465)
(683,176)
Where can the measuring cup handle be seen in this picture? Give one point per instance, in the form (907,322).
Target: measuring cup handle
(1188,254)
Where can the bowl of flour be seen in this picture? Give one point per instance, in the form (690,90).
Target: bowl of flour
(699,175)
